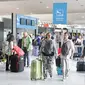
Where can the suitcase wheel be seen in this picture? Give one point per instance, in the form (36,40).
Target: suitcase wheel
(31,79)
(40,78)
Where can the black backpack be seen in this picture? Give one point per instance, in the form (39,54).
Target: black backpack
(20,43)
(10,37)
(65,48)
(48,48)
(34,42)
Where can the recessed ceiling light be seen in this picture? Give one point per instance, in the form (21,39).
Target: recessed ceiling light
(47,7)
(83,17)
(17,8)
(76,0)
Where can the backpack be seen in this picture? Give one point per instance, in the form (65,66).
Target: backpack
(10,37)
(48,48)
(65,48)
(34,42)
(38,41)
(20,43)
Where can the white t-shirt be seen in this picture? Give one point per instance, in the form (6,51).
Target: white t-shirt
(80,41)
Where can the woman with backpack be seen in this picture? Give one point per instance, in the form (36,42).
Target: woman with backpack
(11,43)
(48,51)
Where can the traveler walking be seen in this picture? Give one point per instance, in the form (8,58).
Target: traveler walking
(48,51)
(67,51)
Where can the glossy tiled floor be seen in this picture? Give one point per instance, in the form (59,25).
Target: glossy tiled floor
(23,78)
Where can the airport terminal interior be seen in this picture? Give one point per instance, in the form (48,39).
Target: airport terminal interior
(27,27)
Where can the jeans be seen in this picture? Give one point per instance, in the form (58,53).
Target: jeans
(79,49)
(26,56)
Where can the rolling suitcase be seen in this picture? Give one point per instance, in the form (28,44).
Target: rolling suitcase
(58,66)
(17,63)
(80,66)
(35,50)
(59,71)
(36,70)
(77,55)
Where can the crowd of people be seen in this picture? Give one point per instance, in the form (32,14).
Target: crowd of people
(46,45)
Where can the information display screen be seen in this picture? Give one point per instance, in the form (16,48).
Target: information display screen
(33,23)
(28,22)
(22,21)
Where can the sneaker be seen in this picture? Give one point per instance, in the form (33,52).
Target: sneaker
(7,70)
(50,76)
(45,76)
(64,77)
(27,66)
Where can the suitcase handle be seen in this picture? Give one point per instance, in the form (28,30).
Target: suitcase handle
(38,59)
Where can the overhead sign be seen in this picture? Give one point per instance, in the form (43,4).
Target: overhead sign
(46,25)
(59,13)
(26,22)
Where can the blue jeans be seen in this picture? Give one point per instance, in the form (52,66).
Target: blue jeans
(79,49)
(83,42)
(26,56)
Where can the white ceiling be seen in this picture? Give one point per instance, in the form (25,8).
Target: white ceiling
(76,9)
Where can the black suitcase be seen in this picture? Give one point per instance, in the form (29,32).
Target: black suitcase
(77,55)
(17,63)
(81,66)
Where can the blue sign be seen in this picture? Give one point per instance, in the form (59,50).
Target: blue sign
(60,13)
(25,22)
